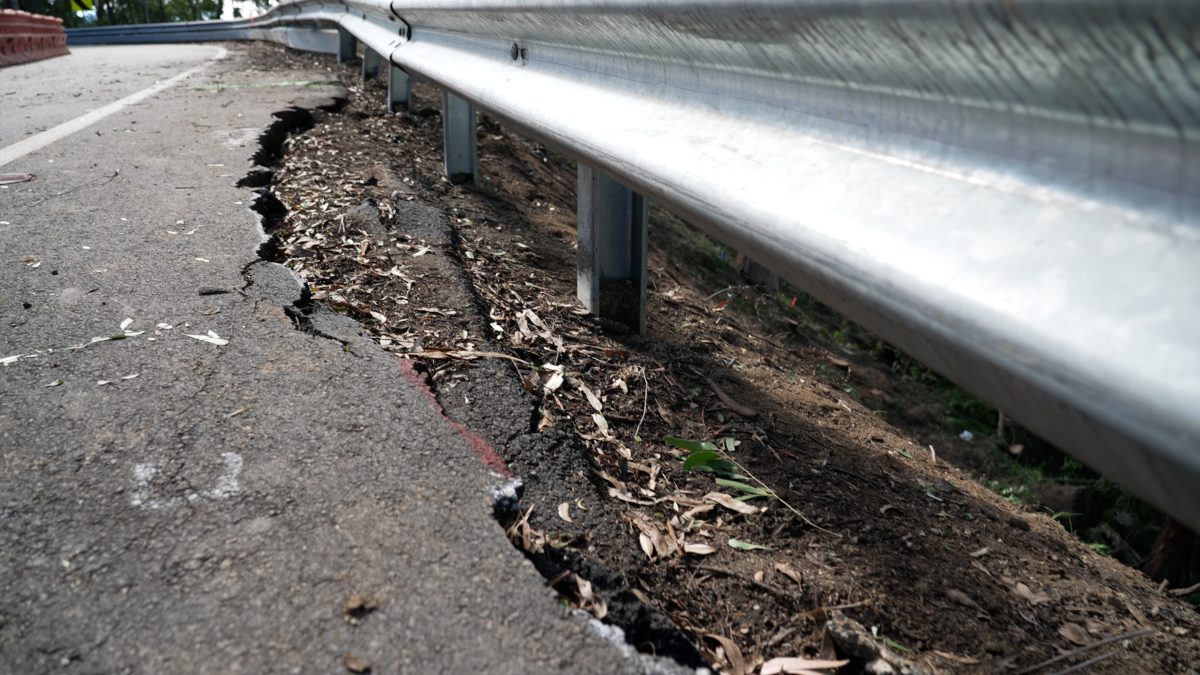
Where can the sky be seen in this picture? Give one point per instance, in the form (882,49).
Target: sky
(248,9)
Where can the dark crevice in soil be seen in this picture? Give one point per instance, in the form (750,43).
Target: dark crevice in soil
(270,142)
(287,122)
(301,313)
(256,178)
(547,463)
(272,212)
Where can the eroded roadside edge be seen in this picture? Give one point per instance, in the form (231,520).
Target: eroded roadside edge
(552,465)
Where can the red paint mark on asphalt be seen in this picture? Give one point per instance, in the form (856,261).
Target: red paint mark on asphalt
(482,449)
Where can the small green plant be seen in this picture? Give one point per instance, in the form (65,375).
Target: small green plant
(711,458)
(1067,516)
(1013,494)
(896,645)
(706,457)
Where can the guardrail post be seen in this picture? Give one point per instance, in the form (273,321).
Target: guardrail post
(458,139)
(757,274)
(370,64)
(611,277)
(399,88)
(347,45)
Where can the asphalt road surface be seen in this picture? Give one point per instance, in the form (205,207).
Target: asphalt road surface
(173,504)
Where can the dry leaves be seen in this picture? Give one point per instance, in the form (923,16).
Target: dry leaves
(799,666)
(588,599)
(1073,632)
(657,543)
(1023,591)
(211,338)
(789,572)
(737,662)
(357,607)
(356,664)
(732,504)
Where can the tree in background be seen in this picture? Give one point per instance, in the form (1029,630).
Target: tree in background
(120,12)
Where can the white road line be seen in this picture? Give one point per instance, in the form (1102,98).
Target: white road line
(21,148)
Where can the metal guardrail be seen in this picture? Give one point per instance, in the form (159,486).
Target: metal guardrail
(307,36)
(1010,192)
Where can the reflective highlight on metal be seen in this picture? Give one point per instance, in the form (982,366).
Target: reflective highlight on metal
(1006,190)
(611,276)
(458,139)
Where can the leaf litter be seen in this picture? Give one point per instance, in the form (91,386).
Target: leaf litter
(626,400)
(211,338)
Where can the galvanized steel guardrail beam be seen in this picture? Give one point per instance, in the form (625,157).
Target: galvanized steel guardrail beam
(1010,192)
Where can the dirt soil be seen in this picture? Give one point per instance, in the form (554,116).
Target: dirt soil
(831,533)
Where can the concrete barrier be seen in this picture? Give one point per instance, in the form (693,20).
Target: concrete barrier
(26,37)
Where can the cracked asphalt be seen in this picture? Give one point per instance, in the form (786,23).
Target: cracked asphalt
(213,508)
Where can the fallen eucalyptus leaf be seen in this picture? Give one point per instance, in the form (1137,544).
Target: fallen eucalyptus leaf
(1074,633)
(737,662)
(553,383)
(212,338)
(789,572)
(731,503)
(601,423)
(647,545)
(747,546)
(1033,598)
(792,665)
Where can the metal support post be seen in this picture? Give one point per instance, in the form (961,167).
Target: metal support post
(399,88)
(611,278)
(347,45)
(757,274)
(458,139)
(370,64)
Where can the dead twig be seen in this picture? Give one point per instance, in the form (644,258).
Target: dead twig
(1180,592)
(463,355)
(645,403)
(1085,648)
(725,290)
(750,580)
(1090,662)
(103,180)
(728,402)
(781,500)
(815,613)
(762,338)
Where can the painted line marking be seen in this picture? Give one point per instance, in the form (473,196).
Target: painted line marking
(227,485)
(21,148)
